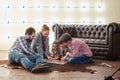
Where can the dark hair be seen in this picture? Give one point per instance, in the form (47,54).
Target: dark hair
(29,31)
(65,38)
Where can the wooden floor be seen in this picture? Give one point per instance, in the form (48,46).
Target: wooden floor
(101,72)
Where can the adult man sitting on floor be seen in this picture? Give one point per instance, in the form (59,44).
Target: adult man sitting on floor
(21,53)
(80,52)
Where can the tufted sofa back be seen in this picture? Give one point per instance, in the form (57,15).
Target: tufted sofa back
(92,34)
(103,40)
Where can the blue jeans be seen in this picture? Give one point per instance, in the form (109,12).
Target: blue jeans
(81,59)
(27,61)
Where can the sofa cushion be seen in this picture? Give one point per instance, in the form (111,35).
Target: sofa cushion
(94,41)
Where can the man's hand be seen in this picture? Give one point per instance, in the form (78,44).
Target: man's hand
(68,54)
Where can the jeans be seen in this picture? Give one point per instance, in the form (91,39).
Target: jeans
(81,59)
(27,61)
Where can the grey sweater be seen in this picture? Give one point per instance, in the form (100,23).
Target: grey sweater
(37,45)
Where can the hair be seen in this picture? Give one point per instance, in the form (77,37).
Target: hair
(45,28)
(56,42)
(29,31)
(65,38)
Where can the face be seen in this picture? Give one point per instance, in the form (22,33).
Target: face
(64,44)
(54,46)
(45,33)
(30,37)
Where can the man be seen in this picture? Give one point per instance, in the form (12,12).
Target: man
(21,53)
(79,50)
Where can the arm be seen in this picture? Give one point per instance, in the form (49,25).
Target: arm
(33,47)
(68,54)
(24,46)
(47,53)
(37,44)
(75,50)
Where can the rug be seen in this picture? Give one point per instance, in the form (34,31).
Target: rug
(55,67)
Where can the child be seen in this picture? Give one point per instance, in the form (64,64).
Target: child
(55,51)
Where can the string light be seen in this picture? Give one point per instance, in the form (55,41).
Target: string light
(68,4)
(38,22)
(100,20)
(23,6)
(37,6)
(54,6)
(7,36)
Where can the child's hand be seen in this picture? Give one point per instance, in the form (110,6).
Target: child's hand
(50,58)
(63,58)
(56,58)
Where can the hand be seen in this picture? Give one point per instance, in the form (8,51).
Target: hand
(68,54)
(56,58)
(50,58)
(63,58)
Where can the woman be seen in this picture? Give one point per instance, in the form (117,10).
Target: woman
(40,43)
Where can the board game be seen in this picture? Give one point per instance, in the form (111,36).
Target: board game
(56,62)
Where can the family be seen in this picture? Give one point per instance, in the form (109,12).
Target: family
(31,49)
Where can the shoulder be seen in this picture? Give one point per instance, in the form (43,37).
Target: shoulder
(21,37)
(38,35)
(78,41)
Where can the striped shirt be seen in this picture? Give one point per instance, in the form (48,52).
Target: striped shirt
(79,47)
(22,45)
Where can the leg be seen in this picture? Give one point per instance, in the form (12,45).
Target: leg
(81,59)
(37,59)
(20,58)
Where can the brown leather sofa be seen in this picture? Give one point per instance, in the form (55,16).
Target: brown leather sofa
(103,40)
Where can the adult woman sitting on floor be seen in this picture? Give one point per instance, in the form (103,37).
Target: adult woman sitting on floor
(40,43)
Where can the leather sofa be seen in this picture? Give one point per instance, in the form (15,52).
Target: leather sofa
(103,40)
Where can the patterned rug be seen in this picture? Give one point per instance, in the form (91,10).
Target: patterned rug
(55,67)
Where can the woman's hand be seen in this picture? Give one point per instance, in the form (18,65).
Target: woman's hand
(50,58)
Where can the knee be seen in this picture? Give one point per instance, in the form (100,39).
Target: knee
(40,56)
(70,60)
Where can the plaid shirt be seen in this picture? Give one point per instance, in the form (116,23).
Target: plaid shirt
(22,45)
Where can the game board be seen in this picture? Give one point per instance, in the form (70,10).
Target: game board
(56,62)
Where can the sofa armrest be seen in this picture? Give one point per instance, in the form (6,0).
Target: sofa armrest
(116,27)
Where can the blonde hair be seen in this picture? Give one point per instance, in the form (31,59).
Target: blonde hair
(45,28)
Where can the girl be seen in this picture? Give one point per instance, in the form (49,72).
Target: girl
(55,51)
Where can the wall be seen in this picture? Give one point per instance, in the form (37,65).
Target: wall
(17,15)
